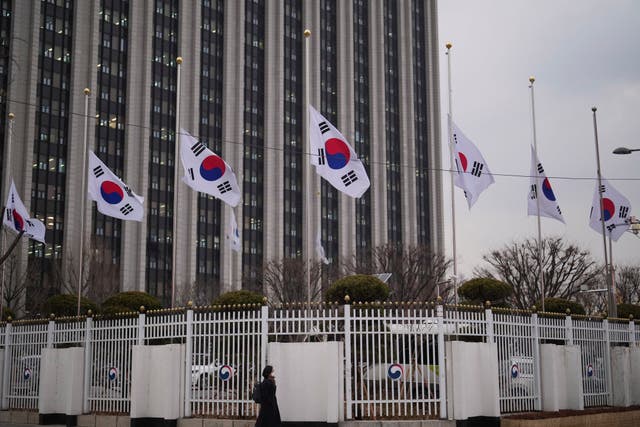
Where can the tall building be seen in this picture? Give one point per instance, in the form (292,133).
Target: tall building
(373,72)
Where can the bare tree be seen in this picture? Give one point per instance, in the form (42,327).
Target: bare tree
(417,273)
(565,268)
(199,292)
(628,284)
(285,280)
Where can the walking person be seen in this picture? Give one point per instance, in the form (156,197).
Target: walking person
(269,415)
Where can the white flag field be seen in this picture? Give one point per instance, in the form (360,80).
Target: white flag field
(334,158)
(112,196)
(473,175)
(207,172)
(234,233)
(16,217)
(540,189)
(616,209)
(320,250)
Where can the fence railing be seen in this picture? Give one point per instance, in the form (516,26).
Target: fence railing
(394,354)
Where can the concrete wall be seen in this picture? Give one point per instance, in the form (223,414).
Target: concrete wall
(472,380)
(61,381)
(561,377)
(309,380)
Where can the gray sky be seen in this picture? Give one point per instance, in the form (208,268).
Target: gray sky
(582,53)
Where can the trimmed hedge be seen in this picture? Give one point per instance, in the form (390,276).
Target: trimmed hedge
(560,305)
(130,301)
(482,289)
(624,310)
(67,305)
(238,298)
(359,287)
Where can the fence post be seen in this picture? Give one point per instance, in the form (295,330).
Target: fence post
(632,333)
(188,362)
(442,378)
(6,377)
(87,364)
(488,316)
(141,318)
(607,359)
(568,326)
(347,359)
(535,330)
(51,327)
(264,337)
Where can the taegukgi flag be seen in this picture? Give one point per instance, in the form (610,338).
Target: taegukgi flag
(473,175)
(207,172)
(234,233)
(320,250)
(615,207)
(112,196)
(16,217)
(540,188)
(334,158)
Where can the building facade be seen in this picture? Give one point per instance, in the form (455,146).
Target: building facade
(373,72)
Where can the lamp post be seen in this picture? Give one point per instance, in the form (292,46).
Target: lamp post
(625,150)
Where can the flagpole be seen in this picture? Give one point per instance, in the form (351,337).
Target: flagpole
(87,92)
(612,306)
(451,157)
(535,149)
(176,163)
(307,35)
(5,191)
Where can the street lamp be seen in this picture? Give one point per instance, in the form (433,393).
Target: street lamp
(625,150)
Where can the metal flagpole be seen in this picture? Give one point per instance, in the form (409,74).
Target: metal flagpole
(83,193)
(612,306)
(5,191)
(307,35)
(176,164)
(535,149)
(453,171)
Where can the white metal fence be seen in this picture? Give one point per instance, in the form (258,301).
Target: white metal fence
(394,354)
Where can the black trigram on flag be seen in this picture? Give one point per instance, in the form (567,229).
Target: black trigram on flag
(98,171)
(128,191)
(321,157)
(533,194)
(349,178)
(477,169)
(540,168)
(9,213)
(198,148)
(611,227)
(126,209)
(624,211)
(191,174)
(225,187)
(603,189)
(559,211)
(324,127)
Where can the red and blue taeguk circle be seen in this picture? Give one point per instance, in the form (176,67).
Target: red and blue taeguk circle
(395,371)
(515,371)
(338,153)
(26,374)
(547,191)
(113,373)
(225,372)
(18,221)
(212,168)
(463,161)
(111,192)
(609,208)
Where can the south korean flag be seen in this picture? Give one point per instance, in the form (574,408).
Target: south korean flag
(16,217)
(334,158)
(113,197)
(206,172)
(473,172)
(616,210)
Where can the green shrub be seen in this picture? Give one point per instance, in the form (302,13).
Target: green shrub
(238,298)
(560,305)
(130,301)
(6,312)
(624,310)
(479,290)
(359,287)
(67,305)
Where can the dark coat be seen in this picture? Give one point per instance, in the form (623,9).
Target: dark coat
(269,415)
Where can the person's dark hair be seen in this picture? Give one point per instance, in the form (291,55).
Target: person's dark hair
(267,371)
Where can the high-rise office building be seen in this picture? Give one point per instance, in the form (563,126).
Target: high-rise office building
(373,72)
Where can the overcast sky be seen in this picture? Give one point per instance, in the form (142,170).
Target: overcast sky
(582,54)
